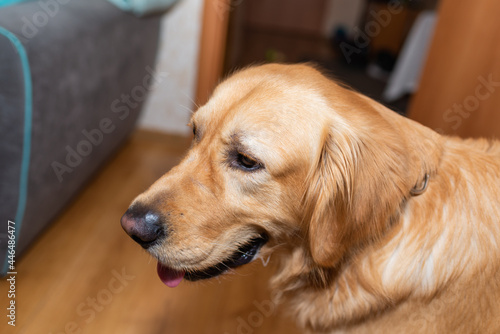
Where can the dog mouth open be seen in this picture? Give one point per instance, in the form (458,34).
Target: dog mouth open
(243,255)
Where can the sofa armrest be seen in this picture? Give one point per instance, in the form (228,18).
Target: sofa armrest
(91,66)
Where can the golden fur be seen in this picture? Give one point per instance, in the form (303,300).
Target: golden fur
(359,253)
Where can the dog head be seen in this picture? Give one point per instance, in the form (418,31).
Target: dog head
(281,155)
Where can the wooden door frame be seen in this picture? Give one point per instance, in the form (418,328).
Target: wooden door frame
(212,47)
(457,92)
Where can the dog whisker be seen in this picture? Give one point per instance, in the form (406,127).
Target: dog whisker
(191,99)
(187,108)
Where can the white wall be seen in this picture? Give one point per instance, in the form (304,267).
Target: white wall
(168,104)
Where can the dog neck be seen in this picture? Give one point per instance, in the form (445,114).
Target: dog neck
(434,242)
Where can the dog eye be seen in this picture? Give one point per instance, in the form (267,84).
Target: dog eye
(196,132)
(247,163)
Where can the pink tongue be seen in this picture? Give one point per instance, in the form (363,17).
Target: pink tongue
(169,277)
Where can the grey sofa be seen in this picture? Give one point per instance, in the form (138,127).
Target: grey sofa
(72,81)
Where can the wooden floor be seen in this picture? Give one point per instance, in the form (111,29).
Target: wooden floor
(85,275)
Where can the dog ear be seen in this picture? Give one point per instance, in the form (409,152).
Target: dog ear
(357,184)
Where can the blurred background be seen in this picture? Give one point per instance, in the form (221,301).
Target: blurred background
(356,41)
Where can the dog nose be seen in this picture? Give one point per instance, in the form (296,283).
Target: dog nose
(144,226)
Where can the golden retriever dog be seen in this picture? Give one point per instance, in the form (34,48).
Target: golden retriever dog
(382,225)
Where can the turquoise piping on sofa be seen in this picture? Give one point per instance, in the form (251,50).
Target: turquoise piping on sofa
(11,2)
(25,162)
